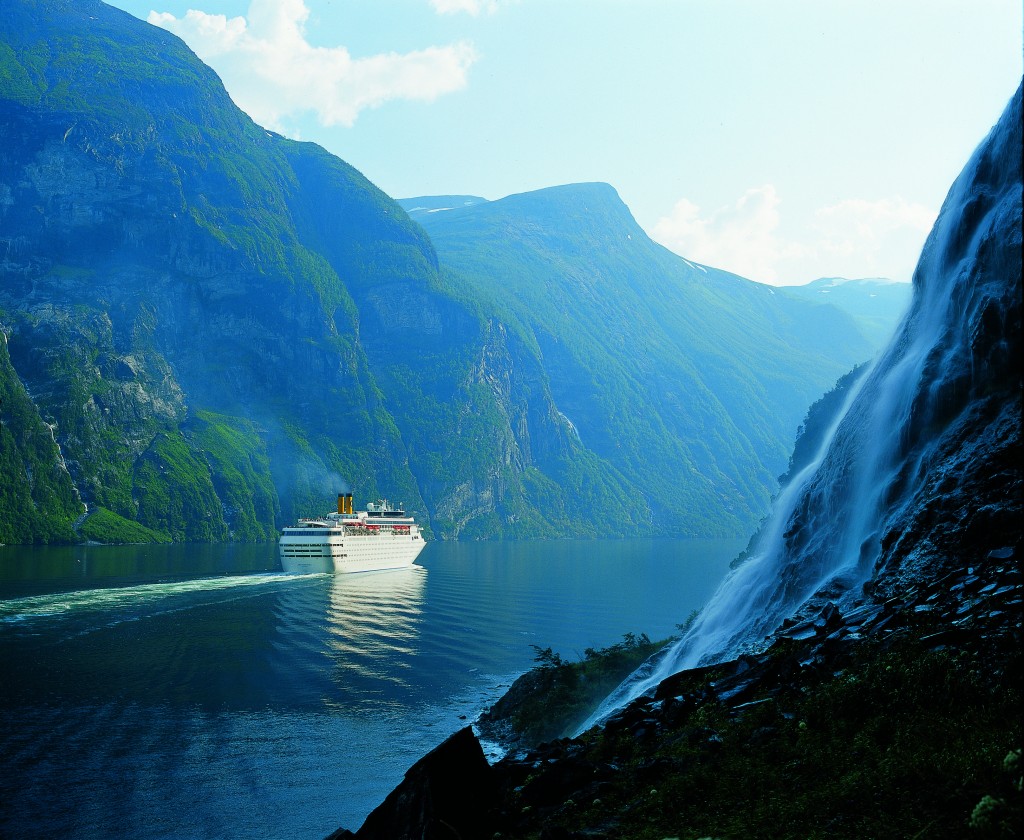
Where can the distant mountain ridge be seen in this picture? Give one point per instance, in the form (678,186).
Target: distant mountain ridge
(876,303)
(210,329)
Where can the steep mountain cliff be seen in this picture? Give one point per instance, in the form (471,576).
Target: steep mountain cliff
(210,329)
(168,305)
(921,472)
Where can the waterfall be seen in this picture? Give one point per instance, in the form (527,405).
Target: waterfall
(825,534)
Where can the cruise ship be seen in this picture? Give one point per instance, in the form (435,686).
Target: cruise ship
(380,537)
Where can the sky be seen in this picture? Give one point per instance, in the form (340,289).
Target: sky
(783,140)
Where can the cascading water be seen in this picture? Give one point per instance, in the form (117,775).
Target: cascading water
(825,536)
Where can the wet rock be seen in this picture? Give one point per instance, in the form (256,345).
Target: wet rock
(561,780)
(686,686)
(830,617)
(801,632)
(863,614)
(654,769)
(450,792)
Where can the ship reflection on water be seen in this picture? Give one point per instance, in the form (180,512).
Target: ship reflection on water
(374,622)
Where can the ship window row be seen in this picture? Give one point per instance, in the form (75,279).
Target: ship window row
(312,532)
(334,532)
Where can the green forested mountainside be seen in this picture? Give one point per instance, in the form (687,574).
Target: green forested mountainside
(165,298)
(37,498)
(210,330)
(663,368)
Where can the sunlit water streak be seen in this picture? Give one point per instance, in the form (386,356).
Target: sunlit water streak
(152,693)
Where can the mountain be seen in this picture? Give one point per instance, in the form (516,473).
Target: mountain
(210,329)
(168,306)
(920,474)
(662,368)
(876,304)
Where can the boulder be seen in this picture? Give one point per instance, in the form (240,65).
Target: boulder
(448,793)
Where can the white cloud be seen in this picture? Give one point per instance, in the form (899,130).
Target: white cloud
(871,238)
(741,237)
(273,73)
(853,238)
(473,7)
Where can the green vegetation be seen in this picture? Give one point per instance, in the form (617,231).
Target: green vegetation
(682,385)
(105,526)
(37,499)
(557,696)
(16,79)
(175,492)
(204,217)
(240,472)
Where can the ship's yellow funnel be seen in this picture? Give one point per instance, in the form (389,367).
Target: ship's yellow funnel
(341,503)
(348,503)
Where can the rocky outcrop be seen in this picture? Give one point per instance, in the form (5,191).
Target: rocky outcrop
(600,784)
(450,792)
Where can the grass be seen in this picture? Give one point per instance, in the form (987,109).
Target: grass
(105,526)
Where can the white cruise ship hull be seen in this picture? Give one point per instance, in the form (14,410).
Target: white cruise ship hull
(365,553)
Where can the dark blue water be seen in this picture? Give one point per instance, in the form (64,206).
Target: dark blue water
(197,692)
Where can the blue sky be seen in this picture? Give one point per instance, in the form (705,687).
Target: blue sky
(781,139)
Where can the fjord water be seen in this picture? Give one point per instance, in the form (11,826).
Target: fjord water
(198,692)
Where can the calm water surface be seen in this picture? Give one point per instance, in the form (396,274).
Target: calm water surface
(198,692)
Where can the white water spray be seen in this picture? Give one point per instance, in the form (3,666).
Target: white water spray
(826,532)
